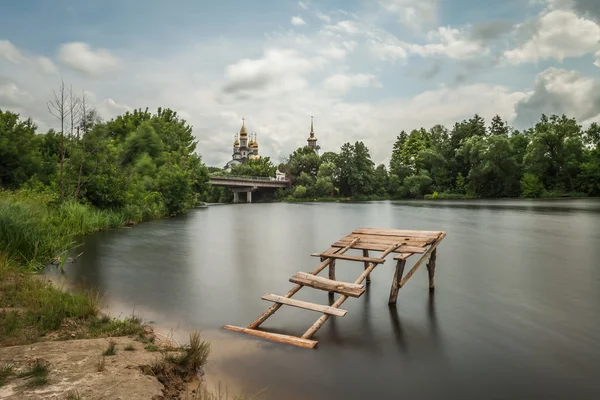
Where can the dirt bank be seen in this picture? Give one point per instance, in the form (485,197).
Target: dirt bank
(78,367)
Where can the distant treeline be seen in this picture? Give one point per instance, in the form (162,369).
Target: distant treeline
(554,158)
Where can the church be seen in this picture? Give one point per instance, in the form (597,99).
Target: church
(244,150)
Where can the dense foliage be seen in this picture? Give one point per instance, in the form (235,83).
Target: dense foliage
(556,157)
(140,163)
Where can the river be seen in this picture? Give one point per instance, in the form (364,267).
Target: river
(515,313)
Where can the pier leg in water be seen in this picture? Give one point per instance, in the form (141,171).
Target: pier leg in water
(366,254)
(332,271)
(248,197)
(431,269)
(236,197)
(396,281)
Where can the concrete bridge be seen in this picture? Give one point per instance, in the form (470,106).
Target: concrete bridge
(246,184)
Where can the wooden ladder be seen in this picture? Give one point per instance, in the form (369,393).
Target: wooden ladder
(301,279)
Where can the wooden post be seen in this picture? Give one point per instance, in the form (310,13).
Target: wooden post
(422,259)
(295,289)
(366,254)
(396,282)
(431,269)
(332,271)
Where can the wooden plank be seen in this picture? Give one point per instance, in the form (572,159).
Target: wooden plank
(389,240)
(318,282)
(319,323)
(397,232)
(271,310)
(421,260)
(305,305)
(350,258)
(275,337)
(382,247)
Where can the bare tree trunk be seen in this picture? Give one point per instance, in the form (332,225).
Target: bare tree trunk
(58,108)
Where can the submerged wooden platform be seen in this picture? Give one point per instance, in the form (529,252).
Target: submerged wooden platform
(404,243)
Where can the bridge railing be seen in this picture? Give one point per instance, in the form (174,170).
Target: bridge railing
(242,177)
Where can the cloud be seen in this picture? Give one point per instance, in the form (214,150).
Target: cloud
(597,62)
(9,52)
(303,4)
(558,34)
(297,21)
(342,83)
(560,91)
(348,27)
(490,30)
(13,96)
(433,71)
(324,17)
(276,72)
(445,41)
(413,13)
(81,57)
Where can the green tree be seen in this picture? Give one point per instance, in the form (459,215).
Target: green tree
(531,186)
(20,157)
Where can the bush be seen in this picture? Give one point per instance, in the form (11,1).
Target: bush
(300,192)
(531,186)
(444,196)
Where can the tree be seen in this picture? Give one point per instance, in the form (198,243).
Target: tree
(531,186)
(255,167)
(555,153)
(498,127)
(59,108)
(20,157)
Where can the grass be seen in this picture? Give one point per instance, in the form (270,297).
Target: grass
(37,374)
(36,229)
(111,350)
(129,347)
(73,395)
(175,369)
(101,363)
(6,370)
(151,347)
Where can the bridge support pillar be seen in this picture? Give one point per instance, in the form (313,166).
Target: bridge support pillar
(248,197)
(236,197)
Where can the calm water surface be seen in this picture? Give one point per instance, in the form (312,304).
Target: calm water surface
(515,314)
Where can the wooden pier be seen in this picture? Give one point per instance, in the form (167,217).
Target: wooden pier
(385,241)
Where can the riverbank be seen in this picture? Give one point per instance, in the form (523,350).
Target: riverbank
(58,343)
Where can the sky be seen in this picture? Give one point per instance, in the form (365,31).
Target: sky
(365,69)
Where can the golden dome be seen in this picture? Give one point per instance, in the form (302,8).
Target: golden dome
(254,142)
(243,133)
(236,143)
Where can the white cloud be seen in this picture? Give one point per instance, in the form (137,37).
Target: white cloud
(45,65)
(445,41)
(81,57)
(597,63)
(347,26)
(297,21)
(10,52)
(13,96)
(342,83)
(276,72)
(324,17)
(303,4)
(559,34)
(450,42)
(558,91)
(413,13)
